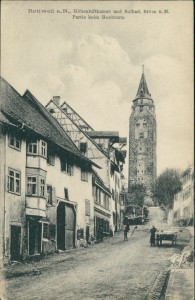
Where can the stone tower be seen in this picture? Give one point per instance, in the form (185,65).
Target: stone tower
(142,139)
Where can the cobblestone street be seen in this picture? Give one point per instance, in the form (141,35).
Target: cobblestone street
(113,269)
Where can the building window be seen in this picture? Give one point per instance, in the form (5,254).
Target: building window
(14,181)
(32,148)
(49,194)
(104,200)
(50,157)
(107,202)
(43,146)
(94,191)
(66,167)
(14,142)
(32,185)
(84,175)
(83,148)
(42,187)
(100,197)
(97,195)
(66,194)
(45,230)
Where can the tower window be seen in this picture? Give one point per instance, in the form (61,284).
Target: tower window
(141,135)
(141,107)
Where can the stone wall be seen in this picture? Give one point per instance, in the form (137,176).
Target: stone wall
(142,148)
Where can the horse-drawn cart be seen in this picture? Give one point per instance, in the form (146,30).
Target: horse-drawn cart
(166,236)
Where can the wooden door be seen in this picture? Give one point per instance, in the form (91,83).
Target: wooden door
(70,221)
(15,242)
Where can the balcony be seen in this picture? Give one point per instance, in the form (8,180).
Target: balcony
(35,206)
(36,162)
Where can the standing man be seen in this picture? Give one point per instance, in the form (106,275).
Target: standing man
(152,235)
(125,233)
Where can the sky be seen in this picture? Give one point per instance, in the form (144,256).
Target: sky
(96,64)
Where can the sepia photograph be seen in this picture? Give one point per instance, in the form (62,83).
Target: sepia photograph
(96,150)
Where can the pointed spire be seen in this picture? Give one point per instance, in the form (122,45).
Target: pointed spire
(143,88)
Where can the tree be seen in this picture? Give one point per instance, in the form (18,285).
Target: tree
(136,195)
(167,184)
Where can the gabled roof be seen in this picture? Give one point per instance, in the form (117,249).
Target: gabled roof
(143,91)
(29,112)
(71,126)
(75,116)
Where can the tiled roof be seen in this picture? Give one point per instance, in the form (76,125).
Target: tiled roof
(3,118)
(27,110)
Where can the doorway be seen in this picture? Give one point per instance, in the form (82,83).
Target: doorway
(61,226)
(87,233)
(35,233)
(15,242)
(66,222)
(70,217)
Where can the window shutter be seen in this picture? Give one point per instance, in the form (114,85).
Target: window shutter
(8,183)
(53,196)
(72,170)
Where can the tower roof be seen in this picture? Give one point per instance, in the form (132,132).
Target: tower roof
(143,91)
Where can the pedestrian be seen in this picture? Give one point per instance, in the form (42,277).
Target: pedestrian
(125,233)
(152,235)
(101,234)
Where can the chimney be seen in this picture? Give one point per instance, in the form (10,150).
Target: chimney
(56,99)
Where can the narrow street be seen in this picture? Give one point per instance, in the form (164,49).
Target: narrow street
(113,269)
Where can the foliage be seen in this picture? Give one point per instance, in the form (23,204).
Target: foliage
(167,184)
(136,194)
(148,202)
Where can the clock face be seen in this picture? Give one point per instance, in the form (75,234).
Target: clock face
(141,129)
